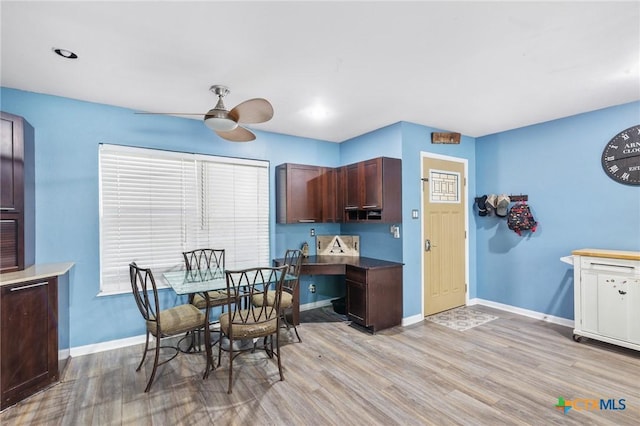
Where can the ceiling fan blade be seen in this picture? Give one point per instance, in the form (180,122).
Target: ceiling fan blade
(256,110)
(169,113)
(239,134)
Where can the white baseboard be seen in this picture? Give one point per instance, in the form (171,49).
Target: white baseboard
(412,320)
(314,305)
(136,340)
(524,312)
(107,346)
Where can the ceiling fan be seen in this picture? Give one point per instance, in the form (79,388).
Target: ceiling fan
(226,123)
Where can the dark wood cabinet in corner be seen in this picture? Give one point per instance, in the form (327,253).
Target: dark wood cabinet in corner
(17,194)
(373,191)
(28,338)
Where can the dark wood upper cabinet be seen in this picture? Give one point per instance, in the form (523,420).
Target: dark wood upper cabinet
(352,187)
(374,191)
(298,193)
(330,195)
(368,191)
(372,184)
(17,193)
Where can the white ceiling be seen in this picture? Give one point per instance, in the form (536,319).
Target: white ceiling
(470,67)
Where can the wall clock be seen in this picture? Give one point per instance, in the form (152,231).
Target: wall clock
(621,157)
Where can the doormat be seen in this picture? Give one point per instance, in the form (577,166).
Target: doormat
(461,319)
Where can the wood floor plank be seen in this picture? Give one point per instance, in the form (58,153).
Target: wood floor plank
(508,371)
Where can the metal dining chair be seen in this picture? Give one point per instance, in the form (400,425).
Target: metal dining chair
(293,259)
(160,323)
(206,259)
(248,321)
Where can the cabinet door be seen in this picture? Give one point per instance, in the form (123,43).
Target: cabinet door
(10,228)
(340,172)
(352,186)
(11,163)
(589,301)
(372,185)
(613,308)
(357,301)
(328,195)
(633,308)
(298,195)
(28,338)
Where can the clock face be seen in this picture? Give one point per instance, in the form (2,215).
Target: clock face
(621,157)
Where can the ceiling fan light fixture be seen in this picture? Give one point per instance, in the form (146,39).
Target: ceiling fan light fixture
(219,121)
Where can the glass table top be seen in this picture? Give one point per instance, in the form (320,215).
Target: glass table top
(196,280)
(200,280)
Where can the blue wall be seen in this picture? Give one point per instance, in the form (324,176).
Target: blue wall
(557,164)
(67,134)
(416,139)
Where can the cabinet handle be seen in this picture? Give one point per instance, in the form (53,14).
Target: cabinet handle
(351,207)
(7,209)
(373,206)
(29,286)
(612,266)
(306,220)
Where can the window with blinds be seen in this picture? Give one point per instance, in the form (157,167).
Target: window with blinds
(156,204)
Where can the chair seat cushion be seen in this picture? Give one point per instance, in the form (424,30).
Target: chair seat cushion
(177,320)
(286,299)
(265,324)
(216,298)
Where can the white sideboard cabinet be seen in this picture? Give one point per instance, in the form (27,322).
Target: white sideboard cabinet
(607,296)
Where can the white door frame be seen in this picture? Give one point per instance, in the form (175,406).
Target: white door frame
(465,162)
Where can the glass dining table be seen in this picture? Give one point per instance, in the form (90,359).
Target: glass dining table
(186,282)
(202,281)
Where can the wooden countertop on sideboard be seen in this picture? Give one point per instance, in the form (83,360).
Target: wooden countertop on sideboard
(612,254)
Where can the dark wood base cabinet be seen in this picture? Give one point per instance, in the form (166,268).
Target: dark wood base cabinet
(29,341)
(374,296)
(34,330)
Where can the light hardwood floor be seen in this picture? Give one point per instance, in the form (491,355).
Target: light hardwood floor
(509,371)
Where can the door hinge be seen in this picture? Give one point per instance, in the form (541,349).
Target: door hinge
(465,287)
(465,181)
(465,235)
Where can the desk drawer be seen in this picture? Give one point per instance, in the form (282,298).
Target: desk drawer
(356,274)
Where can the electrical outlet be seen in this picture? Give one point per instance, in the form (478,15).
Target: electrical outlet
(312,232)
(312,288)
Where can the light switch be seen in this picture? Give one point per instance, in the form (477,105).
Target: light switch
(414,213)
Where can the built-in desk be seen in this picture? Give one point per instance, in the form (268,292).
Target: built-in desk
(374,288)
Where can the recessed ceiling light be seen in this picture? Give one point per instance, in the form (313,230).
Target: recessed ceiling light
(67,54)
(317,112)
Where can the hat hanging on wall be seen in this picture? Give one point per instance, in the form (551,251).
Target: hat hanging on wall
(502,205)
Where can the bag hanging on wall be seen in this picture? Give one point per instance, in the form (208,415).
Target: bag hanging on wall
(520,218)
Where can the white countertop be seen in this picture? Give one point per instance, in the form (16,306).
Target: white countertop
(35,272)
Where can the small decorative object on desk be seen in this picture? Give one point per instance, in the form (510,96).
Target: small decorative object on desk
(338,245)
(305,250)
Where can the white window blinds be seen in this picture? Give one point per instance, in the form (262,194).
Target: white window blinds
(156,204)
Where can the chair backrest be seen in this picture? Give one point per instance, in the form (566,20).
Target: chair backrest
(204,259)
(244,284)
(292,258)
(143,283)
